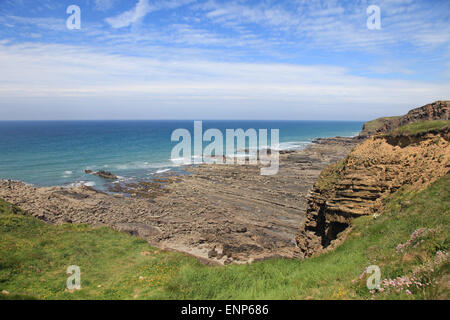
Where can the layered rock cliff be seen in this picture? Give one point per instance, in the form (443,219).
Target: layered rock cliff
(377,167)
(439,110)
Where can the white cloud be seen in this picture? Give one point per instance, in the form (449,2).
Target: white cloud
(60,73)
(276,27)
(127,18)
(141,9)
(54,24)
(327,24)
(231,12)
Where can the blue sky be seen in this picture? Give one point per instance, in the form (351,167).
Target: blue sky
(204,59)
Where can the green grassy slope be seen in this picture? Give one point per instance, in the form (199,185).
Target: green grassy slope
(34,257)
(373,125)
(422,126)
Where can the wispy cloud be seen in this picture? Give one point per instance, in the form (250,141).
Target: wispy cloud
(129,17)
(55,24)
(334,26)
(328,24)
(238,13)
(239,56)
(58,71)
(142,8)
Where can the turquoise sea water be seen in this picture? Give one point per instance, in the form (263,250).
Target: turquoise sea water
(49,153)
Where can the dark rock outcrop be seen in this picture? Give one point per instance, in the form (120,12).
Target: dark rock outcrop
(105,174)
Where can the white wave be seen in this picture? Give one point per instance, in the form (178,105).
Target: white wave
(82,183)
(67,174)
(140,165)
(292,145)
(181,161)
(162,170)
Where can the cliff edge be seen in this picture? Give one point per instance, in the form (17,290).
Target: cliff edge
(415,154)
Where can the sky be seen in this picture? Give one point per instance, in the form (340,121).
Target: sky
(208,59)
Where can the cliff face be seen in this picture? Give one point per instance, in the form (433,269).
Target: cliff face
(374,169)
(439,110)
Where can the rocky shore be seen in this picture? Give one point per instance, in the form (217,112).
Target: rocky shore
(219,213)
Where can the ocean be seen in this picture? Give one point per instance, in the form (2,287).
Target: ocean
(49,153)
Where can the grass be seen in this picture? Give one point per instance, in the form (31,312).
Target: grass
(34,257)
(423,126)
(330,175)
(373,125)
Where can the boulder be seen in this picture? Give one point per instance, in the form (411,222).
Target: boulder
(105,174)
